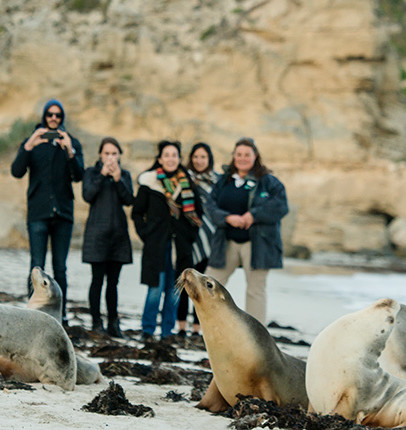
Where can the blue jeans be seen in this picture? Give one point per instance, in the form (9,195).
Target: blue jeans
(153,300)
(60,231)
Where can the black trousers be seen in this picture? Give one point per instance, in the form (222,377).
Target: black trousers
(110,269)
(183,307)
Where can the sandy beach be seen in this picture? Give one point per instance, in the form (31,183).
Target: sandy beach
(302,295)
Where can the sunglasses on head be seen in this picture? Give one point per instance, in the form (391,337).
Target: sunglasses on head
(51,114)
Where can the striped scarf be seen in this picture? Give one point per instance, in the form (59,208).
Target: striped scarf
(188,200)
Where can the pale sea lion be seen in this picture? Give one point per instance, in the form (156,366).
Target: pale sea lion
(35,347)
(243,355)
(393,357)
(47,297)
(343,375)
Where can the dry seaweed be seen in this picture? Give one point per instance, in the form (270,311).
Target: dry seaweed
(249,413)
(113,401)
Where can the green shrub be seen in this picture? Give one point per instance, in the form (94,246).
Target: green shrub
(395,11)
(208,32)
(84,6)
(18,132)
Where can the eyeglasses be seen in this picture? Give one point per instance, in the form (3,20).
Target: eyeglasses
(51,114)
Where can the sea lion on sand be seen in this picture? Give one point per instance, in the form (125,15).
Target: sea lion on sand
(35,347)
(243,355)
(47,297)
(343,375)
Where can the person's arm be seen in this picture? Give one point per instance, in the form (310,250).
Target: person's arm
(274,205)
(138,211)
(217,215)
(124,188)
(92,184)
(75,160)
(21,162)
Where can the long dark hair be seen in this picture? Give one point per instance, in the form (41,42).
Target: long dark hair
(207,148)
(163,144)
(111,140)
(259,168)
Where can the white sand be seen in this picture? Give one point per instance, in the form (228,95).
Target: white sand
(301,295)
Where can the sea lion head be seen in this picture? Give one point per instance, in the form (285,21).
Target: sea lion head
(202,288)
(46,290)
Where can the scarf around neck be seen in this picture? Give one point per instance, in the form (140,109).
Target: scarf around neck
(188,201)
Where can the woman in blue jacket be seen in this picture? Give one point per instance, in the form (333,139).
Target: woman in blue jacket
(247,205)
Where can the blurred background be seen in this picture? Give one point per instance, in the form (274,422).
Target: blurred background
(319,84)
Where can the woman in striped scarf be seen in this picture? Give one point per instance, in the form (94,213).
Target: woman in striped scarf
(167,216)
(200,168)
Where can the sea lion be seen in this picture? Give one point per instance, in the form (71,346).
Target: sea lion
(393,357)
(343,375)
(47,297)
(35,347)
(47,294)
(243,355)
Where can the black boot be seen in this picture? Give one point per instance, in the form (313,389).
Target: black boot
(113,328)
(97,325)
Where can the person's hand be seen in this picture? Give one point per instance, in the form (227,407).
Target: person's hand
(115,171)
(248,219)
(235,221)
(105,171)
(35,139)
(65,142)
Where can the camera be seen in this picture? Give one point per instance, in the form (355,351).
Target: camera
(52,134)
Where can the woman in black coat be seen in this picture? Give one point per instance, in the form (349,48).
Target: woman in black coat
(106,246)
(166,215)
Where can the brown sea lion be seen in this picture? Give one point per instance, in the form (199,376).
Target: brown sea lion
(243,355)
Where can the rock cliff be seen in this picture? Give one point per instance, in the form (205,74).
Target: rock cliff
(316,83)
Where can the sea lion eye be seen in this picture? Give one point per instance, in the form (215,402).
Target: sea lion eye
(209,284)
(45,282)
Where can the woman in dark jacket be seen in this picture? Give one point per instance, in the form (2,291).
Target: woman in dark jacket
(247,205)
(166,212)
(106,246)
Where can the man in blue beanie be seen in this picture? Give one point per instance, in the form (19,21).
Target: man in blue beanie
(54,159)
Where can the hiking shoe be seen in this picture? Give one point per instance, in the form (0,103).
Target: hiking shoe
(181,334)
(146,337)
(168,340)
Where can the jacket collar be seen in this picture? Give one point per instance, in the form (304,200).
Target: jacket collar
(149,179)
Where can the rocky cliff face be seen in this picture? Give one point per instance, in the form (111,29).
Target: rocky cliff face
(314,82)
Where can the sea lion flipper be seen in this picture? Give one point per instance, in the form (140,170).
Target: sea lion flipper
(213,401)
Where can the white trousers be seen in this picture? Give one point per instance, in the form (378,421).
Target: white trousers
(239,254)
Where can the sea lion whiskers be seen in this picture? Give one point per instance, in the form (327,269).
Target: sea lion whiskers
(179,286)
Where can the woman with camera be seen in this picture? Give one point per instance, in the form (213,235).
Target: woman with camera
(106,246)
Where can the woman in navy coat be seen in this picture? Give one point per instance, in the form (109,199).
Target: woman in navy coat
(247,205)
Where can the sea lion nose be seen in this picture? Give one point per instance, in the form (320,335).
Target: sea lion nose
(185,274)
